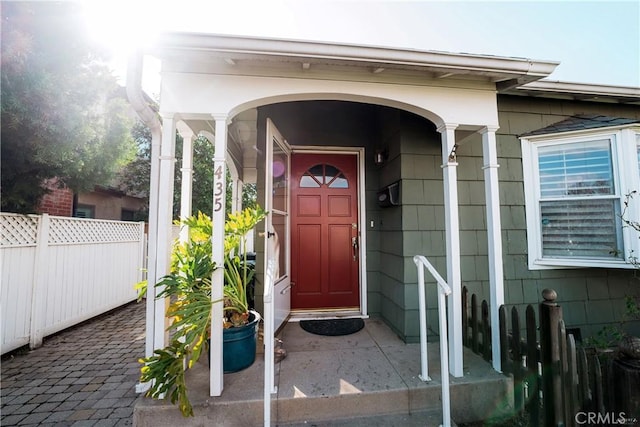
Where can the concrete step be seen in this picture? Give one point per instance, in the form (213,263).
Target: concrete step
(417,419)
(368,375)
(241,404)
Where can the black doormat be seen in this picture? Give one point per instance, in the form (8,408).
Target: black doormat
(332,327)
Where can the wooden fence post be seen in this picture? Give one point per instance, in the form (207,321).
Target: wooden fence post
(533,402)
(38,292)
(550,315)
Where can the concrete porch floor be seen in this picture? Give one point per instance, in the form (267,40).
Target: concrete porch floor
(367,378)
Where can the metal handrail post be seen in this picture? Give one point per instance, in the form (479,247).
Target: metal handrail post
(444,358)
(443,291)
(422,303)
(268,351)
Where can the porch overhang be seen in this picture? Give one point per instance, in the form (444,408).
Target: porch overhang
(205,53)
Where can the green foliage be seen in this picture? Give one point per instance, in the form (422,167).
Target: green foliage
(611,335)
(606,337)
(135,176)
(61,114)
(188,287)
(237,273)
(165,373)
(249,196)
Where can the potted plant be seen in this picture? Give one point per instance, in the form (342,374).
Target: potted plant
(240,323)
(188,288)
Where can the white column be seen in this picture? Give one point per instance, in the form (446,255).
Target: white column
(152,249)
(452,234)
(236,194)
(494,237)
(186,192)
(217,280)
(164,219)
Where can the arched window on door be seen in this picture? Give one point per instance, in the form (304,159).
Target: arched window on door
(323,175)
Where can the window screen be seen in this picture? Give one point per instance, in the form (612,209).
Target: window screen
(579,210)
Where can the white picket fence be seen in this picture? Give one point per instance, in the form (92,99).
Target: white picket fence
(60,271)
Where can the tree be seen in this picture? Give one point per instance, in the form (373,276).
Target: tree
(134,178)
(61,114)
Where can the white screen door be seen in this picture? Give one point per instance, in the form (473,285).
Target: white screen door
(277,273)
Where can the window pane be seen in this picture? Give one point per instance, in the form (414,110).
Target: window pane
(317,172)
(279,221)
(339,182)
(308,182)
(329,173)
(320,175)
(581,228)
(280,182)
(576,169)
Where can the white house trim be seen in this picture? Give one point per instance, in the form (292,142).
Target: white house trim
(187,176)
(494,237)
(217,280)
(439,63)
(194,94)
(570,90)
(148,116)
(452,235)
(165,217)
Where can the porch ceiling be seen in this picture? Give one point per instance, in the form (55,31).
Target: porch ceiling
(209,53)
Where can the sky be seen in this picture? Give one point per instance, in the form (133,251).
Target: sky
(596,42)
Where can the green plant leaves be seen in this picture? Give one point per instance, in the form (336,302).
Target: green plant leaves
(188,288)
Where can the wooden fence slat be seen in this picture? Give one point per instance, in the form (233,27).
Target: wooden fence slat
(504,341)
(533,357)
(585,397)
(518,374)
(572,367)
(564,374)
(474,323)
(597,385)
(486,332)
(553,377)
(465,317)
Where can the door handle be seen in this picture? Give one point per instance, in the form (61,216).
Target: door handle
(285,290)
(354,246)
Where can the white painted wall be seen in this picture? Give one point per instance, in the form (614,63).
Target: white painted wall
(60,271)
(199,95)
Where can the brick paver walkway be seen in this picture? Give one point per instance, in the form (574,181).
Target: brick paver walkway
(84,376)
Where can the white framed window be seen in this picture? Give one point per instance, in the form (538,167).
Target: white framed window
(576,184)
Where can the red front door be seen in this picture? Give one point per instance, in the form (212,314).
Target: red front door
(324,231)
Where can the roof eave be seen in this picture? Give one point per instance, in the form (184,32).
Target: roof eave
(518,70)
(578,91)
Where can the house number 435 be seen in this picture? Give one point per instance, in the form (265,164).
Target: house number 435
(218,192)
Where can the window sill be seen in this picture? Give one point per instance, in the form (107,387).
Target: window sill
(555,263)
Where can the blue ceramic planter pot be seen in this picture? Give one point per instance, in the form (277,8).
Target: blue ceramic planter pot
(239,345)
